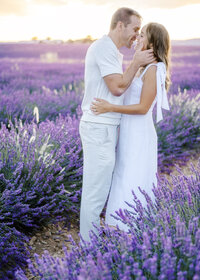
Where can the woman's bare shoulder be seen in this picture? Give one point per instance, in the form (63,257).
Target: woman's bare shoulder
(151,72)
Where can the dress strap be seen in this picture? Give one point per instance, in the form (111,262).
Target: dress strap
(162,101)
(147,67)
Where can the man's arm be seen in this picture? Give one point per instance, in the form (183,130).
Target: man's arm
(148,95)
(118,83)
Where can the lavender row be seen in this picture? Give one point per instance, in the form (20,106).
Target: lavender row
(40,181)
(58,87)
(33,76)
(34,51)
(178,133)
(13,251)
(41,164)
(78,51)
(50,103)
(163,241)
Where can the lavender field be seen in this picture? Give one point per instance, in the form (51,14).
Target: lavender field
(41,88)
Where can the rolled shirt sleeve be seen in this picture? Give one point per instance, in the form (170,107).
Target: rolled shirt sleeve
(109,62)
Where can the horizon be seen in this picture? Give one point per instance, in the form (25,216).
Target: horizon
(78,39)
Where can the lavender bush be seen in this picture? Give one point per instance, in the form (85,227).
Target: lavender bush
(37,163)
(40,176)
(163,241)
(13,253)
(178,133)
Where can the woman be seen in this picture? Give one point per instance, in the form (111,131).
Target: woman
(136,159)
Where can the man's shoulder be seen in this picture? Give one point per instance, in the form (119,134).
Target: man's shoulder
(102,46)
(103,41)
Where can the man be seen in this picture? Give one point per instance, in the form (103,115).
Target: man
(104,78)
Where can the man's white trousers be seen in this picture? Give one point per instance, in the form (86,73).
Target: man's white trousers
(99,143)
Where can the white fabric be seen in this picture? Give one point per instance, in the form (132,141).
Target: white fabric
(161,97)
(102,59)
(136,159)
(162,101)
(99,143)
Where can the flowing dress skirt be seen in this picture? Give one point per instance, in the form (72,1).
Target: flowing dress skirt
(136,164)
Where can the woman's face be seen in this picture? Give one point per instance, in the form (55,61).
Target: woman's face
(142,38)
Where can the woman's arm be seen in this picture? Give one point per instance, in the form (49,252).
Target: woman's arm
(147,97)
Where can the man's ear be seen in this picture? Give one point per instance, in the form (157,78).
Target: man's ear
(120,25)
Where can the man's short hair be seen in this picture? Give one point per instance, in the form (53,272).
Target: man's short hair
(123,15)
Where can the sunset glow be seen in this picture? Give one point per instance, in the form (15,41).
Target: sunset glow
(62,19)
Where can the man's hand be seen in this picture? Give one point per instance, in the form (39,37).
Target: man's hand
(142,58)
(118,83)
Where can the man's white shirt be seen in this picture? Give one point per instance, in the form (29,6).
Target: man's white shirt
(102,59)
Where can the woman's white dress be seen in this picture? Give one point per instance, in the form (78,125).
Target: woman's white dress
(136,156)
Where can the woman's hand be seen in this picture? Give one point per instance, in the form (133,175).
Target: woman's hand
(100,106)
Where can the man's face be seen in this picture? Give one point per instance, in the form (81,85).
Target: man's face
(131,31)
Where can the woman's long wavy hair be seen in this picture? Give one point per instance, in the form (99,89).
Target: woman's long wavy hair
(158,38)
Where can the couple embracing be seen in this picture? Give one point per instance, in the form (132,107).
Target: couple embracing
(117,131)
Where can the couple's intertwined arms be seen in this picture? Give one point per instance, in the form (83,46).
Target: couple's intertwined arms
(148,95)
(118,83)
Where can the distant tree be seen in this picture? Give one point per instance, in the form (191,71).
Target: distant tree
(88,39)
(70,41)
(48,38)
(34,38)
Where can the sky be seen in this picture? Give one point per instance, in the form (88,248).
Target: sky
(73,19)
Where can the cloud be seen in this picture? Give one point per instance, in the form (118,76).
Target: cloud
(164,4)
(13,7)
(51,2)
(21,7)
